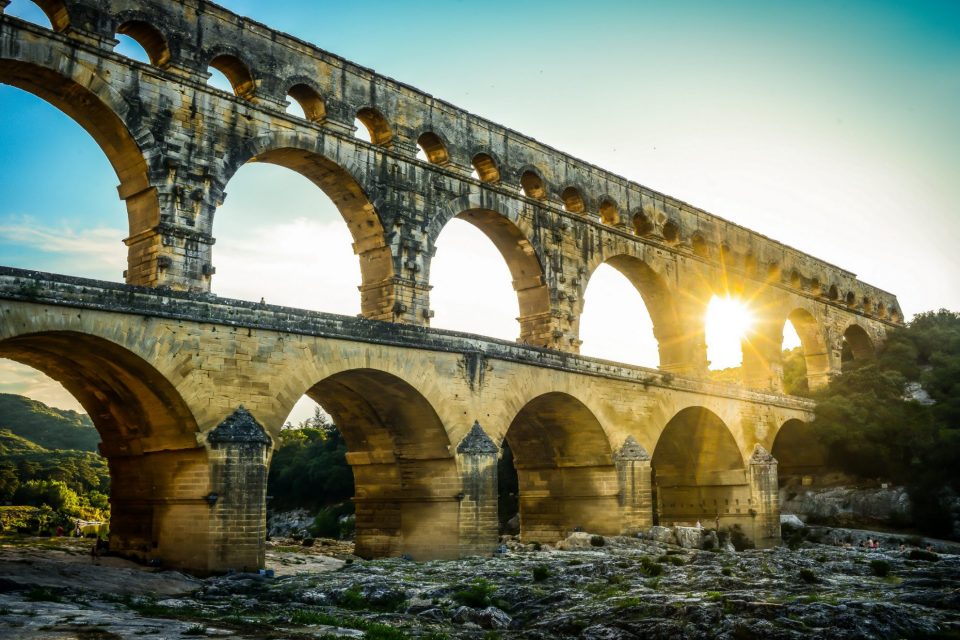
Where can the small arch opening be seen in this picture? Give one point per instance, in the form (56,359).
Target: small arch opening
(851,299)
(143,42)
(572,200)
(485,168)
(699,245)
(533,186)
(433,149)
(306,103)
(832,292)
(642,226)
(671,232)
(375,126)
(235,72)
(609,213)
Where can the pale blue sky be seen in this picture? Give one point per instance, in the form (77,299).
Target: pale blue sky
(831,128)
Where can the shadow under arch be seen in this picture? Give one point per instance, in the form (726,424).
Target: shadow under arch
(148,435)
(404,471)
(800,454)
(565,471)
(520,256)
(668,330)
(88,100)
(699,473)
(857,346)
(369,240)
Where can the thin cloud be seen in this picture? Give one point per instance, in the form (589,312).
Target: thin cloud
(102,243)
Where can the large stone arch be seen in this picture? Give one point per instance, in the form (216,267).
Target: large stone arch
(406,478)
(500,220)
(159,472)
(669,328)
(342,179)
(565,469)
(698,471)
(800,454)
(89,100)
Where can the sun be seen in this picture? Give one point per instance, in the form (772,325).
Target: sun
(727,321)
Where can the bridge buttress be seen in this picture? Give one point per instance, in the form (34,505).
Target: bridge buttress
(765,501)
(634,476)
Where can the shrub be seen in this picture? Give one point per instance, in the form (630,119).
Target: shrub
(808,576)
(880,568)
(921,554)
(541,572)
(726,571)
(597,541)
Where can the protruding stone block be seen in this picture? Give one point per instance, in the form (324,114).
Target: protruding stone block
(764,488)
(634,479)
(239,450)
(477,454)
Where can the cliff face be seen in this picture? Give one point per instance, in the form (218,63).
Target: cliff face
(847,506)
(889,507)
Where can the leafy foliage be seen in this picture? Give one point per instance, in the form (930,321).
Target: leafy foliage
(309,468)
(46,426)
(876,425)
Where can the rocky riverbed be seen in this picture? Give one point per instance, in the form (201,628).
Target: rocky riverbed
(601,588)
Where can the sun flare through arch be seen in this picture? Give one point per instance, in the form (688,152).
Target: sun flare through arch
(728,321)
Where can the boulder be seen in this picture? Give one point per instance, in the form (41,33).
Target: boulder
(662,534)
(689,537)
(791,520)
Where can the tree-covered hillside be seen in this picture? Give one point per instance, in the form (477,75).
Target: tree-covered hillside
(48,427)
(48,458)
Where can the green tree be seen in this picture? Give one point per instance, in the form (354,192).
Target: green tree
(877,423)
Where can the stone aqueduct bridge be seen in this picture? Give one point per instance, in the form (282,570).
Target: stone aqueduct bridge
(163,367)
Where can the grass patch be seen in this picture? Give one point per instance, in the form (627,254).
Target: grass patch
(675,560)
(42,594)
(650,568)
(476,595)
(196,630)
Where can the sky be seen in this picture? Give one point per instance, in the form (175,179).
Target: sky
(831,127)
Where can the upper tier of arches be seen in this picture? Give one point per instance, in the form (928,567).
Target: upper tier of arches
(334,93)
